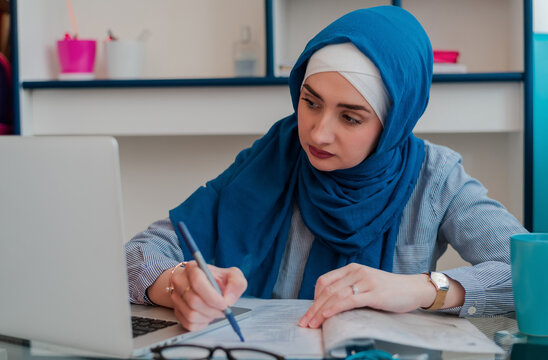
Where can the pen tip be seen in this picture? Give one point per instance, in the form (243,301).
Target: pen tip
(234,324)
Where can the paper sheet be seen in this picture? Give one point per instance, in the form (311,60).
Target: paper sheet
(418,329)
(272,326)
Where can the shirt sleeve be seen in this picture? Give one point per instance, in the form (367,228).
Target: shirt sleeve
(148,255)
(479,228)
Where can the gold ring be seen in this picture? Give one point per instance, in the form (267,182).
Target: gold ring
(185,290)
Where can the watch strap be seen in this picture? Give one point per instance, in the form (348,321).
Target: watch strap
(441,292)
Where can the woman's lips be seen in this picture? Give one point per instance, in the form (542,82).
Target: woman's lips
(320,154)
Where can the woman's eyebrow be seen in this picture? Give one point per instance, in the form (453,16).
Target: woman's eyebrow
(354,107)
(346,106)
(309,88)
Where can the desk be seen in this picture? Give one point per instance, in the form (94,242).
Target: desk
(16,349)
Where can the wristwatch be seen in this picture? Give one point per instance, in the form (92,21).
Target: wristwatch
(441,282)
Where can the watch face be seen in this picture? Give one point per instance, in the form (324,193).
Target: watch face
(440,280)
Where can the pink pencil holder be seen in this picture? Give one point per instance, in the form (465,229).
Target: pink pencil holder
(446,56)
(76,56)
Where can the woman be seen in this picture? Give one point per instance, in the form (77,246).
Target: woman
(338,202)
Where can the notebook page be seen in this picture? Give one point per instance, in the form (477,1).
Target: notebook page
(273,326)
(418,329)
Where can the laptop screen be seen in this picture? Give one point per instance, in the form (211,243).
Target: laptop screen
(62,264)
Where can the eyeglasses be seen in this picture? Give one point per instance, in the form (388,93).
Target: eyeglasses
(199,352)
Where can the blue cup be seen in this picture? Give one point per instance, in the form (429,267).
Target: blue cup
(529,254)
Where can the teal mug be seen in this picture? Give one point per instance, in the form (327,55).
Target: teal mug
(529,254)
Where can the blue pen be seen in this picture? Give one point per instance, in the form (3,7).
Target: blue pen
(203,265)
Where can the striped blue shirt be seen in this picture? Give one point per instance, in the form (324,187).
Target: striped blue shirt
(447,206)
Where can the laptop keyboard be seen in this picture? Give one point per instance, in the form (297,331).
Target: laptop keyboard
(142,326)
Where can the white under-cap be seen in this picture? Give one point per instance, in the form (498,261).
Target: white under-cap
(351,63)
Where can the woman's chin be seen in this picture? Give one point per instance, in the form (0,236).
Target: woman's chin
(322,164)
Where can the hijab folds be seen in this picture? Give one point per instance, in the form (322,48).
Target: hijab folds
(242,217)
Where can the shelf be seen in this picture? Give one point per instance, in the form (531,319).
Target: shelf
(460,107)
(152,83)
(253,81)
(181,110)
(478,77)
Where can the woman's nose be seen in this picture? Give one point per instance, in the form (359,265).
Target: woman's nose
(322,131)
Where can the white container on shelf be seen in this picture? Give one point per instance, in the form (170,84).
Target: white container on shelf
(245,54)
(124,59)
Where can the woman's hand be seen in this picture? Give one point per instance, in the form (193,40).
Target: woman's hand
(194,300)
(375,289)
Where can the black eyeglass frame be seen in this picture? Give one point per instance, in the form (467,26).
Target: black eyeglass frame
(157,351)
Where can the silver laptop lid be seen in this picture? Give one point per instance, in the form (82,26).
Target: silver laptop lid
(62,265)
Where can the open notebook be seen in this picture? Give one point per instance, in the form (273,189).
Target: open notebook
(62,263)
(416,335)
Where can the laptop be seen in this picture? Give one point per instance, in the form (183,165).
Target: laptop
(62,262)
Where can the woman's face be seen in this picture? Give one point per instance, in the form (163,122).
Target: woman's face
(338,128)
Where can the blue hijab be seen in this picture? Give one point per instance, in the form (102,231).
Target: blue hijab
(242,217)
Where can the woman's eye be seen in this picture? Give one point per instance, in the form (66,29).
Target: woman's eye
(351,120)
(310,103)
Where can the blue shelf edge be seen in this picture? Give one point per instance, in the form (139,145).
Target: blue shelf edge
(143,83)
(479,77)
(250,81)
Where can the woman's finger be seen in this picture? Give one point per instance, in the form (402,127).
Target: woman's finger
(339,288)
(195,298)
(329,278)
(191,315)
(354,299)
(192,306)
(187,324)
(204,290)
(348,297)
(185,285)
(233,285)
(334,291)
